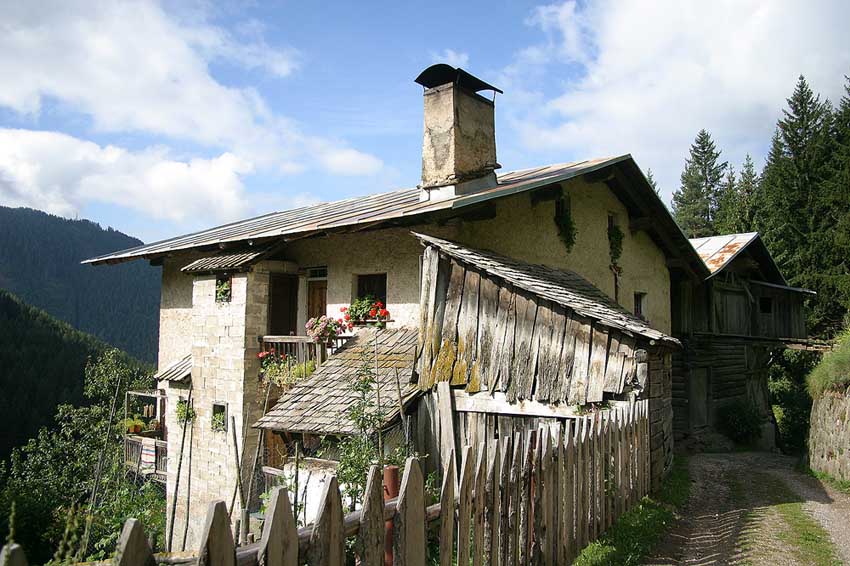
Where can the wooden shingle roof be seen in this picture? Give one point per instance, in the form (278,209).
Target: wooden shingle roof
(319,403)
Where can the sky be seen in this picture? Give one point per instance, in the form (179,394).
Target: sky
(162,118)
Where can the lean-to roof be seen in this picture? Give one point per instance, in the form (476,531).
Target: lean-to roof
(178,371)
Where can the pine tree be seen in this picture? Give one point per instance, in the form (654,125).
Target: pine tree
(748,184)
(796,215)
(695,202)
(725,218)
(652,183)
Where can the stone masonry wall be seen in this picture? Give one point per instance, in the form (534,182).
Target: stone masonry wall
(829,435)
(660,414)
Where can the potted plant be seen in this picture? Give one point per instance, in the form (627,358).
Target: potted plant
(153,425)
(366,311)
(218,422)
(323,329)
(185,413)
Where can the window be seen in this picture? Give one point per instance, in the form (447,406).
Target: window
(317,273)
(640,305)
(223,288)
(374,284)
(765,305)
(219,417)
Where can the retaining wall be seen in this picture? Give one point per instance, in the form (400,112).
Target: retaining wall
(829,435)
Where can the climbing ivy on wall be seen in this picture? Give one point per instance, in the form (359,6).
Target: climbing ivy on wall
(615,243)
(564,221)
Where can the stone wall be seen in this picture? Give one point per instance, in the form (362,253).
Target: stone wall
(829,435)
(660,414)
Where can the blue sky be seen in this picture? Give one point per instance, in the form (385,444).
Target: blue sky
(163,118)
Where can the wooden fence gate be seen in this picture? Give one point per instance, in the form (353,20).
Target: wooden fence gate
(536,498)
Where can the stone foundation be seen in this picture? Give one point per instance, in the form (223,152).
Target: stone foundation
(829,435)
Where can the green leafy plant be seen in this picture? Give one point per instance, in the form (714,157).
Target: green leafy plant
(283,370)
(615,243)
(218,423)
(223,291)
(833,371)
(365,310)
(185,413)
(740,421)
(564,221)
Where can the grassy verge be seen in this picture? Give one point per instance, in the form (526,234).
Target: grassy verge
(636,533)
(810,541)
(841,485)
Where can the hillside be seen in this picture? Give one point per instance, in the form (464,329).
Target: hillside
(40,258)
(43,361)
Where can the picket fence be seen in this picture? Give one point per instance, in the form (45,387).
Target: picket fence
(534,498)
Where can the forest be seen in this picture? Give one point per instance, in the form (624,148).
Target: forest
(40,257)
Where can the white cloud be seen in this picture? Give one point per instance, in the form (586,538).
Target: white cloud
(347,161)
(451,57)
(59,174)
(651,74)
(132,67)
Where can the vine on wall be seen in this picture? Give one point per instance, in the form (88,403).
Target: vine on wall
(564,221)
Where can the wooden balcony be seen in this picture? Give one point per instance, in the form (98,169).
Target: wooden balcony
(146,456)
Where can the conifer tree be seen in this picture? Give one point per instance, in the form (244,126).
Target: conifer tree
(796,215)
(725,218)
(695,202)
(747,191)
(652,183)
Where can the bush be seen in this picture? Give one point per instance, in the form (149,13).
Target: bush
(789,398)
(833,371)
(740,421)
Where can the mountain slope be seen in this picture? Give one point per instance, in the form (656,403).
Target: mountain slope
(40,258)
(42,363)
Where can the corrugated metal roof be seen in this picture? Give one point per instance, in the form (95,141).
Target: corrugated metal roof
(359,210)
(178,371)
(717,251)
(225,262)
(562,286)
(319,403)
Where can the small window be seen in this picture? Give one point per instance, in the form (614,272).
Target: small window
(317,273)
(765,305)
(640,305)
(374,284)
(219,417)
(223,288)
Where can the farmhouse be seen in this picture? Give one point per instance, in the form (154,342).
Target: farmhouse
(514,300)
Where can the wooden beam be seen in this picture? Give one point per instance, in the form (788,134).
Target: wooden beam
(498,403)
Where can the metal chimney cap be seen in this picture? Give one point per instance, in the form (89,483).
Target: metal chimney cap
(441,74)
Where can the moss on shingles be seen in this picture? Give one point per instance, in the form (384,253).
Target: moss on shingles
(636,533)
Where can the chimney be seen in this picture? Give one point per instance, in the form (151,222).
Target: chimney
(459,144)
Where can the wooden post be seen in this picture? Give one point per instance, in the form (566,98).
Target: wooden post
(447,513)
(327,543)
(503,485)
(479,500)
(464,508)
(179,467)
(132,548)
(525,512)
(409,521)
(279,545)
(371,534)
(446,417)
(490,550)
(217,548)
(513,502)
(13,555)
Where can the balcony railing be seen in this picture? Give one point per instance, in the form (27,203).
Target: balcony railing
(146,456)
(301,349)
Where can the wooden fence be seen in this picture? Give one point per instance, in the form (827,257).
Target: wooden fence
(537,498)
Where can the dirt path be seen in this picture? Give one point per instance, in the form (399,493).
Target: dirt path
(755,508)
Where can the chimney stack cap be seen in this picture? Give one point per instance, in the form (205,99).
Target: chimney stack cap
(440,74)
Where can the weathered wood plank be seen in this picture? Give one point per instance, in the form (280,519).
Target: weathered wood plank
(490,549)
(538,513)
(442,368)
(567,357)
(489,330)
(427,291)
(372,526)
(447,513)
(514,501)
(548,493)
(507,304)
(132,549)
(598,356)
(447,424)
(327,543)
(526,516)
(497,403)
(522,369)
(409,519)
(217,547)
(279,542)
(464,510)
(13,555)
(581,361)
(627,347)
(613,364)
(642,368)
(550,354)
(504,497)
(465,370)
(568,490)
(479,502)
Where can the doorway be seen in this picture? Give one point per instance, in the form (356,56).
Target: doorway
(317,297)
(283,305)
(698,400)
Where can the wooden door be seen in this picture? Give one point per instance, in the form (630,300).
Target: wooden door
(698,398)
(317,298)
(283,305)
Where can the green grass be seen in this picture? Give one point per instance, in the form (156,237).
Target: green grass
(636,533)
(833,371)
(835,483)
(811,543)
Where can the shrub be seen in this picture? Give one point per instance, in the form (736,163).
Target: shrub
(740,421)
(833,371)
